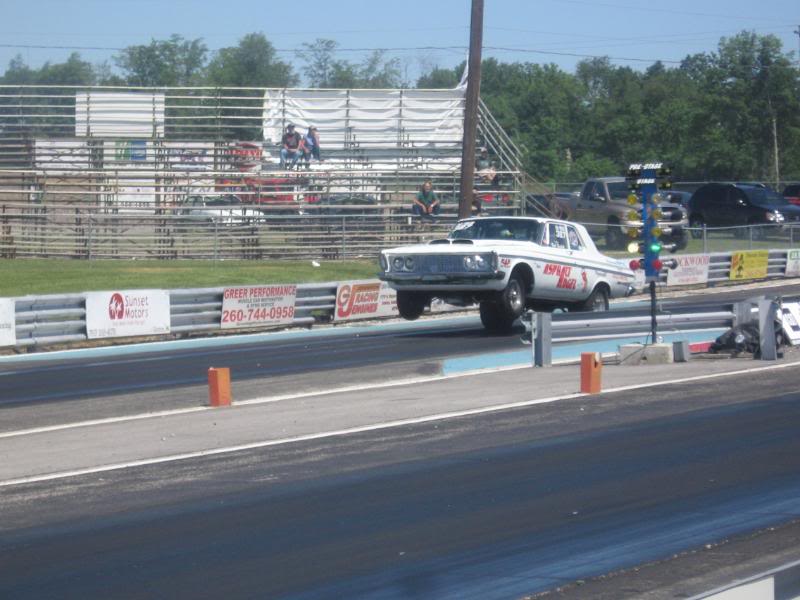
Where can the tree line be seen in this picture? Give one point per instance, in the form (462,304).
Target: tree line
(729,114)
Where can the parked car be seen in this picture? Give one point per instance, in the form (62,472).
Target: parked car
(792,193)
(678,197)
(737,204)
(225,210)
(506,264)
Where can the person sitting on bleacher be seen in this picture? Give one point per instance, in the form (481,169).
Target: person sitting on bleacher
(426,204)
(309,145)
(290,147)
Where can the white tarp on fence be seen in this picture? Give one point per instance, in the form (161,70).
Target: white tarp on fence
(119,114)
(408,117)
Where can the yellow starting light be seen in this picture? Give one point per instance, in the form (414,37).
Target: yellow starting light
(656,198)
(657,214)
(632,199)
(656,232)
(633,247)
(633,232)
(633,215)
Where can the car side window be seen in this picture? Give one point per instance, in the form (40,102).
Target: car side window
(558,235)
(574,239)
(597,190)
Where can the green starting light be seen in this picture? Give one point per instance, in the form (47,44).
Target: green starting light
(655,247)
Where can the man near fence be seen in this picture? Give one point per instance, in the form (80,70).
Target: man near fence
(290,147)
(426,204)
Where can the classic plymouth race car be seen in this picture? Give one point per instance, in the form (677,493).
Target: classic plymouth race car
(506,264)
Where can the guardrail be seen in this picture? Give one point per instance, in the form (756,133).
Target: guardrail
(61,318)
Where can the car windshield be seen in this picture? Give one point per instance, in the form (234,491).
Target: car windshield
(765,196)
(618,190)
(497,229)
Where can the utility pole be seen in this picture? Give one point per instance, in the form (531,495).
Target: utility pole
(471,109)
(797,31)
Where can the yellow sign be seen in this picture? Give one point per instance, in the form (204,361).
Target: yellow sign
(749,264)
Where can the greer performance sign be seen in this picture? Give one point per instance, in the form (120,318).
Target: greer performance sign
(364,300)
(749,264)
(127,313)
(691,269)
(258,306)
(8,334)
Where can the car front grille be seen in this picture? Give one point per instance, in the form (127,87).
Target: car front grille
(444,263)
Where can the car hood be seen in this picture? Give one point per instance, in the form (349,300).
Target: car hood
(447,246)
(789,210)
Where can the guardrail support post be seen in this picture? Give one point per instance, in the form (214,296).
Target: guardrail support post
(219,386)
(767,312)
(542,344)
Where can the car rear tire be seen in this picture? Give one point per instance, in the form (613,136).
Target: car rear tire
(615,239)
(411,305)
(597,300)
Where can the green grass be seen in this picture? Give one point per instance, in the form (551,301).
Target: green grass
(50,276)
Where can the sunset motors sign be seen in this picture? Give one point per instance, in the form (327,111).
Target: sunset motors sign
(127,313)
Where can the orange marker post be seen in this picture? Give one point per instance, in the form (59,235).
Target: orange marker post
(219,386)
(591,371)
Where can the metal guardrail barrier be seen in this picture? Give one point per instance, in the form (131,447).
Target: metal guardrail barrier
(55,319)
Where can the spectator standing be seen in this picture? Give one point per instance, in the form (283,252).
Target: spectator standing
(310,145)
(290,147)
(426,204)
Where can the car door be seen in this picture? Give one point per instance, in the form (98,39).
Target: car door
(737,208)
(558,277)
(591,206)
(582,258)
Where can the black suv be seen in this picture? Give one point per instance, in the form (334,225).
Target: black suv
(739,204)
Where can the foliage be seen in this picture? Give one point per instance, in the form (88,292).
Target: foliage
(172,62)
(323,70)
(252,63)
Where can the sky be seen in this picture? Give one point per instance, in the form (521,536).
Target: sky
(422,33)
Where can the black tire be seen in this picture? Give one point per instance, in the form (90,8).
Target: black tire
(500,314)
(615,237)
(411,305)
(597,300)
(696,223)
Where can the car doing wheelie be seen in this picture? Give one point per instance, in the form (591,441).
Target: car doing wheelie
(506,265)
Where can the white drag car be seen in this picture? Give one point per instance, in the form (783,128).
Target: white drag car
(507,264)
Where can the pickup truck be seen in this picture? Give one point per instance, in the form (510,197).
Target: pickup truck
(602,206)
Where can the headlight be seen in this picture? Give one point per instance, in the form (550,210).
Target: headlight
(384,263)
(480,262)
(469,263)
(775,216)
(397,263)
(409,264)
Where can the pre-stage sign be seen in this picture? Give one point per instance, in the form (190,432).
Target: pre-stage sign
(258,306)
(127,313)
(8,334)
(364,300)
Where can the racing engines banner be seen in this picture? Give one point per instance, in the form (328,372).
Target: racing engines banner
(8,334)
(127,313)
(364,300)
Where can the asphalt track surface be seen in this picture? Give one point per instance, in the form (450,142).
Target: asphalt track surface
(486,507)
(64,380)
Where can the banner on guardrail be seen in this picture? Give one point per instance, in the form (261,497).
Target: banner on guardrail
(792,263)
(790,321)
(258,306)
(749,264)
(127,313)
(8,333)
(692,269)
(364,300)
